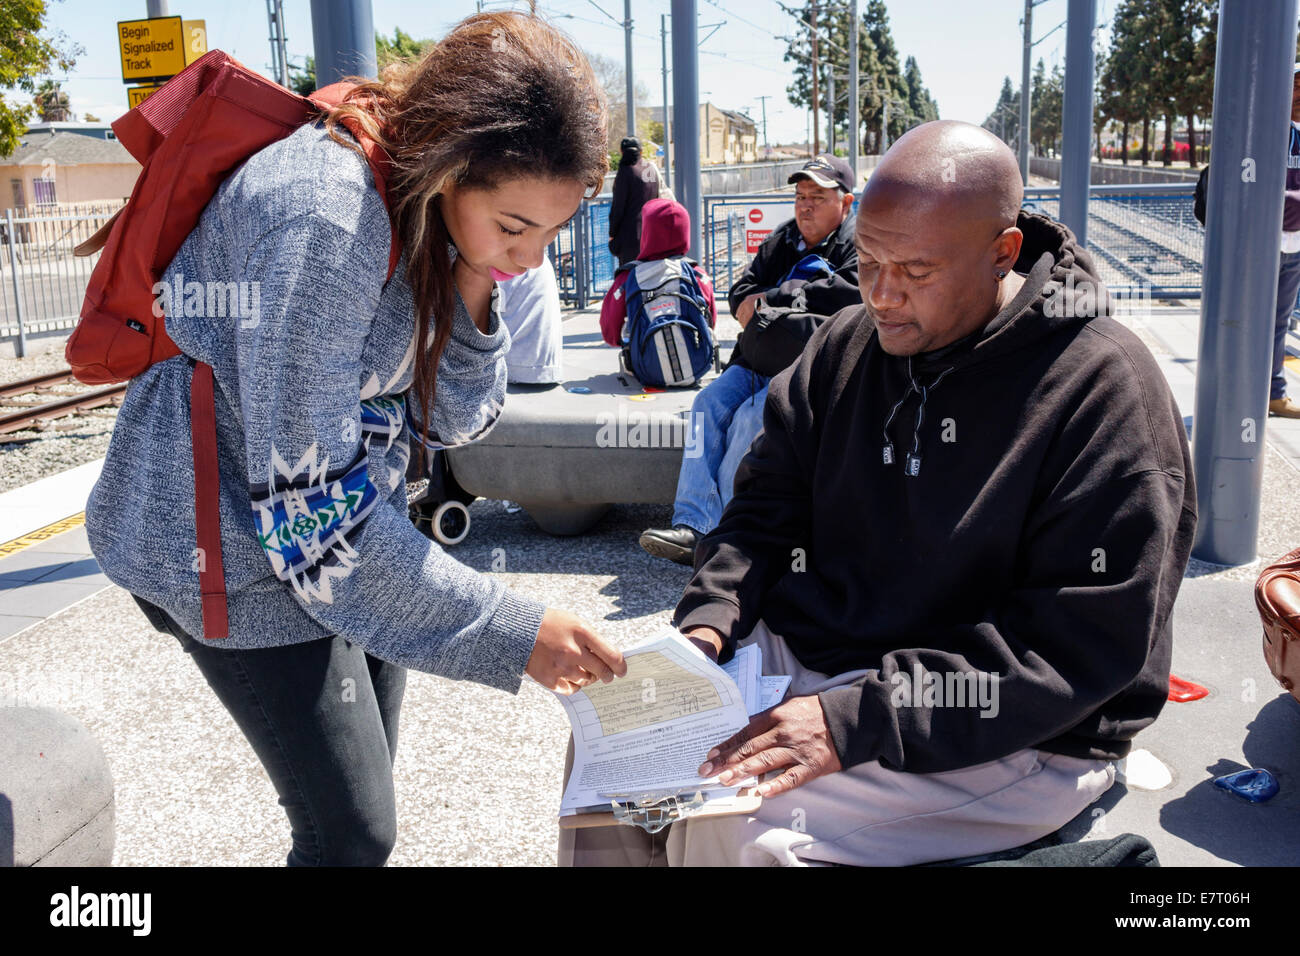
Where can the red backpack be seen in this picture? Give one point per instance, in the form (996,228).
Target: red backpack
(189,136)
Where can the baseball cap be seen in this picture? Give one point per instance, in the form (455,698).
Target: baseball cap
(828,172)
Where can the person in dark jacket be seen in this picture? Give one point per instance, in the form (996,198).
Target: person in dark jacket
(1288,274)
(961,532)
(635,184)
(802,273)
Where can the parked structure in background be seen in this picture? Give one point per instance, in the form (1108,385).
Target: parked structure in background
(58,164)
(727,136)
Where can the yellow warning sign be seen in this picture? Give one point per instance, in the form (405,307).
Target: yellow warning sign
(196,39)
(151,49)
(135,95)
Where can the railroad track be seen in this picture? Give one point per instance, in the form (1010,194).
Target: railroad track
(20,415)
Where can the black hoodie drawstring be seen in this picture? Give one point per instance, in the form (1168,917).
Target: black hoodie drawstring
(913,465)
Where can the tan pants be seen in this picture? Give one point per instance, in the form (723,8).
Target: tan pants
(866,815)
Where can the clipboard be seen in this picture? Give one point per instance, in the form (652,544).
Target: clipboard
(653,812)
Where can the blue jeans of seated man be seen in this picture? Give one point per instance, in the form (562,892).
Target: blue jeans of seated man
(1288,284)
(726,417)
(322,718)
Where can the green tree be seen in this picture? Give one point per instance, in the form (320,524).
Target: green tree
(25,56)
(1128,75)
(832,58)
(401,47)
(920,103)
(1037,108)
(1199,100)
(882,78)
(888,74)
(1170,27)
(302,79)
(1046,107)
(1005,118)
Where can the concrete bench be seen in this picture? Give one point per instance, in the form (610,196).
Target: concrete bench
(566,456)
(56,791)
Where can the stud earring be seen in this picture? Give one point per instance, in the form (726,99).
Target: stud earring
(1002,275)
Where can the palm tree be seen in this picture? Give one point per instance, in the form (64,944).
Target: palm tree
(52,103)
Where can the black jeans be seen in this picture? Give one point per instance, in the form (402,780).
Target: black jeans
(322,717)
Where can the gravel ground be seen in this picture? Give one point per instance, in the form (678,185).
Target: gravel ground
(27,456)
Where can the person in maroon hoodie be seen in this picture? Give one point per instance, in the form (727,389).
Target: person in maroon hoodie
(665,231)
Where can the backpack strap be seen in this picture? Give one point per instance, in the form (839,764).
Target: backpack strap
(207,501)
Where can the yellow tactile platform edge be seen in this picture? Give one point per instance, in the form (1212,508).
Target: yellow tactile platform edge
(42,534)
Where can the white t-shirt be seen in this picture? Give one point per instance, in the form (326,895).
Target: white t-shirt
(530,309)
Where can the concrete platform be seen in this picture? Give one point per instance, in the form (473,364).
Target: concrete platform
(190,790)
(568,451)
(44,502)
(44,578)
(1246,721)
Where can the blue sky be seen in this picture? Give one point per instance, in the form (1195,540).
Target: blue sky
(964,47)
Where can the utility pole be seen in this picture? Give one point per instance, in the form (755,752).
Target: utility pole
(1024,92)
(1076,115)
(855,118)
(686,115)
(627,67)
(763,100)
(279,60)
(1252,107)
(343,40)
(884,122)
(816,121)
(830,110)
(663,55)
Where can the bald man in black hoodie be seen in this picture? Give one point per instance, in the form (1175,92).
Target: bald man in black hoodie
(962,532)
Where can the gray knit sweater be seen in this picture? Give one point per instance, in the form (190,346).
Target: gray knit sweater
(312,357)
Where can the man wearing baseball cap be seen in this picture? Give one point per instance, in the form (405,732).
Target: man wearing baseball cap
(804,272)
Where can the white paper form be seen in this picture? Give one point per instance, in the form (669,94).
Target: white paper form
(650,730)
(745,668)
(760,691)
(771,690)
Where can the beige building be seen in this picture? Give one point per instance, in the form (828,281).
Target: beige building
(725,136)
(62,164)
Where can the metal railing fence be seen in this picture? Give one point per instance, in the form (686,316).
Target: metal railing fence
(1144,239)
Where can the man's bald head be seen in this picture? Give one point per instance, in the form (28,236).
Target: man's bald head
(936,236)
(953,170)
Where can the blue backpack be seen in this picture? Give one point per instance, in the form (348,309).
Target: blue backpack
(667,340)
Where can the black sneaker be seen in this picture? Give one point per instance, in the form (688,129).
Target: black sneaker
(675,545)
